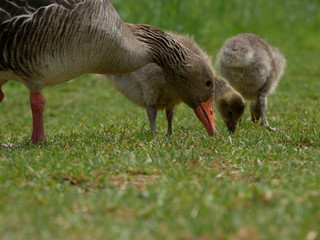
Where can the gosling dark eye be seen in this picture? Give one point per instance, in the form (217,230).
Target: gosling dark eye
(229,113)
(208,83)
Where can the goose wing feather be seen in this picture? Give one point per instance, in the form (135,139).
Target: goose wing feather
(15,8)
(55,39)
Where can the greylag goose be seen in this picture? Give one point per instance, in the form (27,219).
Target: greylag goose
(253,68)
(46,42)
(147,88)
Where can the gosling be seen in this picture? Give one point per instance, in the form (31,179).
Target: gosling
(229,102)
(254,69)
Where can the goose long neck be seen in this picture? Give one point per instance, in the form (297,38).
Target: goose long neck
(165,51)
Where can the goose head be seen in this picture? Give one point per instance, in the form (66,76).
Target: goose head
(194,84)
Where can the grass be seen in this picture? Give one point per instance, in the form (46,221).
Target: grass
(103,175)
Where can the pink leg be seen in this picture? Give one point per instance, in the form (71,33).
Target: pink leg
(1,95)
(37,103)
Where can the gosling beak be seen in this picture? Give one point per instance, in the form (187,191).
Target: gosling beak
(205,114)
(231,126)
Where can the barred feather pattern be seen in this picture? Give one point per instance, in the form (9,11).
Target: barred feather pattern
(168,53)
(46,42)
(21,21)
(47,39)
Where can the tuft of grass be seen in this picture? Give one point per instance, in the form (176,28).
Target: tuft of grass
(103,175)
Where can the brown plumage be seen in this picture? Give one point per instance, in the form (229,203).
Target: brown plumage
(147,88)
(253,68)
(229,102)
(45,42)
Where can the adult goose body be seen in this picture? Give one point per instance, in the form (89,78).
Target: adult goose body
(45,42)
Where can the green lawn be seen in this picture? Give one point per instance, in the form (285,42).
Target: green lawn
(103,175)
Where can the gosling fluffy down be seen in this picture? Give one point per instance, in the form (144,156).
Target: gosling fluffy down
(253,68)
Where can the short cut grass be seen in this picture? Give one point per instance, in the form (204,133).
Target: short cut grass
(103,175)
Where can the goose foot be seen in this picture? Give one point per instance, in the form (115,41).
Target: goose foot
(270,128)
(37,103)
(15,144)
(9,145)
(22,144)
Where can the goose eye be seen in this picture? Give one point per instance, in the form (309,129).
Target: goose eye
(229,113)
(208,83)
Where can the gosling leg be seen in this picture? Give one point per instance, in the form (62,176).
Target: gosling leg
(262,104)
(255,111)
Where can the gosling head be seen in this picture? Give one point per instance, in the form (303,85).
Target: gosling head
(194,84)
(231,107)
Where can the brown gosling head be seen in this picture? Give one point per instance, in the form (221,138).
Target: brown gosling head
(231,107)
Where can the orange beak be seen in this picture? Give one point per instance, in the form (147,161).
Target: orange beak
(205,114)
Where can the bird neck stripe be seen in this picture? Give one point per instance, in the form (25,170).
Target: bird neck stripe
(165,50)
